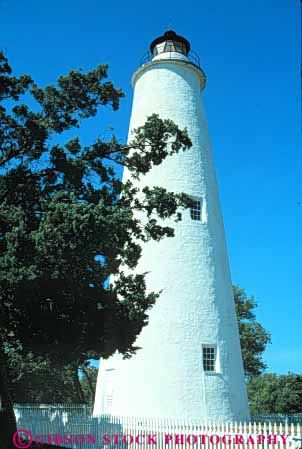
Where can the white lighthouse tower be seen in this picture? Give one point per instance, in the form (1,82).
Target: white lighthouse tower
(190,364)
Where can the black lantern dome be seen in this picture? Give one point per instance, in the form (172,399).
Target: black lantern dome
(170,42)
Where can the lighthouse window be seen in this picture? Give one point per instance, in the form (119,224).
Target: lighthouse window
(196,210)
(169,46)
(209,358)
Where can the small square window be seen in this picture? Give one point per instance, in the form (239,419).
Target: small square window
(209,358)
(196,210)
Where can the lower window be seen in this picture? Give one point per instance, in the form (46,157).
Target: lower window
(209,358)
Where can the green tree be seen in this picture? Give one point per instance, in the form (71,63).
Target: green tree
(272,393)
(253,336)
(67,223)
(37,380)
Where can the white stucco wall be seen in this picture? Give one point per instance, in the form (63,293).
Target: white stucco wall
(166,378)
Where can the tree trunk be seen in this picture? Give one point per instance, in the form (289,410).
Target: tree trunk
(89,383)
(8,424)
(77,384)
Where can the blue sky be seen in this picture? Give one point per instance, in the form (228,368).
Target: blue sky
(250,51)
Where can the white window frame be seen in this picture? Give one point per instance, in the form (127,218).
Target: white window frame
(196,209)
(199,212)
(204,360)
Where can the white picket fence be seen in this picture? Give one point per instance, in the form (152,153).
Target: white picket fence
(81,430)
